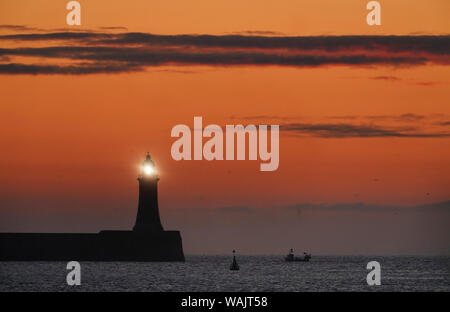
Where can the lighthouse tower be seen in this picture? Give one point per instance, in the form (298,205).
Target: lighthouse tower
(147,242)
(147,219)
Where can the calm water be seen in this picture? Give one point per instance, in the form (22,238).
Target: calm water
(211,273)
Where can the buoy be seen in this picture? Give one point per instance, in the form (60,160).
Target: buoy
(234,266)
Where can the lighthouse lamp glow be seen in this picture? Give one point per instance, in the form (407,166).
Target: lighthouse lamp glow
(148,167)
(148,170)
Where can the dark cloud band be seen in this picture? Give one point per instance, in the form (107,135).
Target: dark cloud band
(428,44)
(13,68)
(342,130)
(127,52)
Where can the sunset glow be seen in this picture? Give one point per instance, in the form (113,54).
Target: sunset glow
(364,117)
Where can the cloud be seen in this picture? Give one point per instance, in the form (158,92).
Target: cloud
(407,117)
(258,33)
(135,59)
(391,78)
(25,28)
(170,57)
(346,130)
(15,69)
(407,81)
(407,125)
(175,71)
(113,28)
(427,83)
(442,206)
(363,207)
(18,28)
(138,51)
(439,45)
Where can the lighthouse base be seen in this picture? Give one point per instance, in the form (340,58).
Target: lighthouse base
(104,246)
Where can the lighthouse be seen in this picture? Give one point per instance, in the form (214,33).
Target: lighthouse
(148,241)
(147,219)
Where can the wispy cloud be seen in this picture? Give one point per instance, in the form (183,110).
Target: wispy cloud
(25,28)
(258,33)
(407,117)
(427,83)
(113,28)
(81,69)
(128,52)
(438,45)
(18,28)
(407,81)
(347,130)
(364,207)
(390,78)
(407,125)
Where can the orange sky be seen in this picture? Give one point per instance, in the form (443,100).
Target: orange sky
(292,17)
(80,138)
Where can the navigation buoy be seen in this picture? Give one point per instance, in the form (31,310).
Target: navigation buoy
(234,266)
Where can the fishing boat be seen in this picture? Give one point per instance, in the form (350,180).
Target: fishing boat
(291,258)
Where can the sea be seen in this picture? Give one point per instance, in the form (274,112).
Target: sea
(257,273)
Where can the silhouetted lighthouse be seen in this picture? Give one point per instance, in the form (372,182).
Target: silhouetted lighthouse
(147,219)
(147,242)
